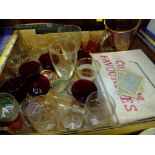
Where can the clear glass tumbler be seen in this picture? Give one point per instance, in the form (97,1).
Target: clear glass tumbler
(71,117)
(88,68)
(99,110)
(42,116)
(9,112)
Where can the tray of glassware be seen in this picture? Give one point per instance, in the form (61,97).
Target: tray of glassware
(52,84)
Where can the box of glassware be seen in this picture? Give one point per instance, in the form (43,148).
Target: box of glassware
(125,78)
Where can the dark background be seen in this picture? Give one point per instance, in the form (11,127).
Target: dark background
(85,24)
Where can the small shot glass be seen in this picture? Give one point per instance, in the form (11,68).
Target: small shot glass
(71,117)
(87,68)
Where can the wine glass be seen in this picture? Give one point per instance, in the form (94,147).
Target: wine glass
(81,89)
(63,54)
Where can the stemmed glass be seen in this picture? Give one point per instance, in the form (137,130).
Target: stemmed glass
(63,54)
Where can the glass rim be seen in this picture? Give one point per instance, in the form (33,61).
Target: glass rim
(69,26)
(36,103)
(75,91)
(59,43)
(108,98)
(15,103)
(95,61)
(124,31)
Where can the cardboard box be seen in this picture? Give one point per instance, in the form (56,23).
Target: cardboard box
(29,36)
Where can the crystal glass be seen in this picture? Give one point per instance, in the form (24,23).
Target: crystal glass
(88,68)
(57,85)
(73,32)
(71,117)
(36,83)
(45,61)
(39,87)
(42,116)
(119,34)
(64,57)
(99,110)
(81,89)
(9,112)
(9,108)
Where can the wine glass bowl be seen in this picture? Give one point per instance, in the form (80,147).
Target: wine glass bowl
(30,70)
(45,61)
(81,89)
(39,87)
(63,54)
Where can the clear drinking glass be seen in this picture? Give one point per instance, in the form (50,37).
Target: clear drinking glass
(42,115)
(99,110)
(63,54)
(73,32)
(9,108)
(71,117)
(87,68)
(9,112)
(119,34)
